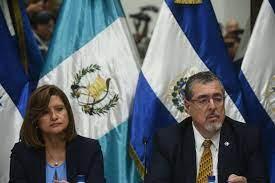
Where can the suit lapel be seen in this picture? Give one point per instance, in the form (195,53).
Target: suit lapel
(71,162)
(41,160)
(226,152)
(188,149)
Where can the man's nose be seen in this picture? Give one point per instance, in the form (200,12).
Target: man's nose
(212,104)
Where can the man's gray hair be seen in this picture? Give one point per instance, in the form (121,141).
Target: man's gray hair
(201,77)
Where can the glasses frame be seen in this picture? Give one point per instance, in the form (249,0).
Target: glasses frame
(204,101)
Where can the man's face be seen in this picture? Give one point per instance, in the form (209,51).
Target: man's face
(45,30)
(207,107)
(232,46)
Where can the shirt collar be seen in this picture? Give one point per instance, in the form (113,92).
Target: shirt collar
(199,139)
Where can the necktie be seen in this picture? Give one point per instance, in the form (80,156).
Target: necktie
(206,163)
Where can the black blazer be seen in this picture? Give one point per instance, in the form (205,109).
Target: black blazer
(174,154)
(83,157)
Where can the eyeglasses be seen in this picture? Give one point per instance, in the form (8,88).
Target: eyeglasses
(205,101)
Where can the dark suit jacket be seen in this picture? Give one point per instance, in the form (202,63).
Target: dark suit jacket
(174,154)
(83,157)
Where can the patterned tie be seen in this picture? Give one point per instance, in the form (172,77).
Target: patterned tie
(206,163)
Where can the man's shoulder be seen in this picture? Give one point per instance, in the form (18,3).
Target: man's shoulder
(175,131)
(241,128)
(238,124)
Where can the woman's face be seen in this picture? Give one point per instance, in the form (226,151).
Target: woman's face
(55,119)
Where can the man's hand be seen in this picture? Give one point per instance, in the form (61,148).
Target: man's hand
(236,179)
(35,7)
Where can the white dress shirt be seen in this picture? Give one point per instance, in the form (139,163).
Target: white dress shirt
(199,139)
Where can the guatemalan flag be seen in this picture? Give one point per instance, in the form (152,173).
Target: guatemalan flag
(186,40)
(258,78)
(93,60)
(20,65)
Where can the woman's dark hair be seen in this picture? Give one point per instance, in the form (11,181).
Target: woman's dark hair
(37,105)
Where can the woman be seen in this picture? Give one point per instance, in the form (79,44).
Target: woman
(50,149)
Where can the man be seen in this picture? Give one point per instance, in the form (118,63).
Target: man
(43,23)
(180,153)
(232,25)
(232,42)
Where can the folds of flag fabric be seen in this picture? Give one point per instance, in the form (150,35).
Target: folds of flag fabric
(93,60)
(20,63)
(186,40)
(257,77)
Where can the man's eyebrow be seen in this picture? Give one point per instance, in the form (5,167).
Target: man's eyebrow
(218,94)
(203,96)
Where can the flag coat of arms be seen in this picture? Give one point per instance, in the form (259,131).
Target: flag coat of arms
(186,40)
(20,65)
(92,58)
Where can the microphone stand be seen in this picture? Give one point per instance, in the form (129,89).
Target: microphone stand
(145,141)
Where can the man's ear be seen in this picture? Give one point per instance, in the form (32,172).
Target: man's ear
(186,106)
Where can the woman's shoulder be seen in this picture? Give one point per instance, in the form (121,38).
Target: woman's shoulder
(23,151)
(82,139)
(20,147)
(84,142)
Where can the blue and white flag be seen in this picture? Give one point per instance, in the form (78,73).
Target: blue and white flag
(92,58)
(258,78)
(20,63)
(186,40)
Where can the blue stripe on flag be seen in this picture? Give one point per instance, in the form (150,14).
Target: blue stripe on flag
(12,75)
(115,153)
(143,126)
(200,26)
(257,115)
(80,15)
